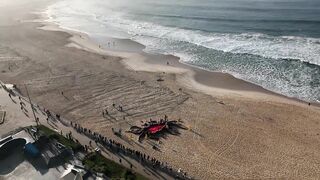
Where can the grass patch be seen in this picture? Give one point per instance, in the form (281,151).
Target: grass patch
(60,138)
(97,163)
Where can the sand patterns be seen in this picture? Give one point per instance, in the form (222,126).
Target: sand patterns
(85,96)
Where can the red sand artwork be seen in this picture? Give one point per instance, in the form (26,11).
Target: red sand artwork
(156,128)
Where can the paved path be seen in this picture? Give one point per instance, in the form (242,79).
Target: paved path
(27,117)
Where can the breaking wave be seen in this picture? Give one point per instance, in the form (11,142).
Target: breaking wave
(285,64)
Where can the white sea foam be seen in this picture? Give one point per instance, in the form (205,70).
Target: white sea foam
(278,47)
(282,47)
(189,45)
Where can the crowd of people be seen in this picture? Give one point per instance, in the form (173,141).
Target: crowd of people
(113,145)
(117,147)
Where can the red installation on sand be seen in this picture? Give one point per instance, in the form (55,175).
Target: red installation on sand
(156,128)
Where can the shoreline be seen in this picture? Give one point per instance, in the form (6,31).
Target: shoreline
(203,80)
(222,80)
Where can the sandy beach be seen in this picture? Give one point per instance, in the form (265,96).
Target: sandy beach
(236,130)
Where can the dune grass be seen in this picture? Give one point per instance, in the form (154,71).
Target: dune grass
(60,138)
(97,163)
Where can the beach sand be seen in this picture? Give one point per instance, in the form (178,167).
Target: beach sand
(235,129)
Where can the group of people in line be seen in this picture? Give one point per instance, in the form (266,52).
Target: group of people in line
(113,145)
(109,44)
(117,147)
(24,109)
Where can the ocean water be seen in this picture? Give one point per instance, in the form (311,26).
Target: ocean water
(272,43)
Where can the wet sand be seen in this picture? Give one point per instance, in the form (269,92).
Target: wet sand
(236,129)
